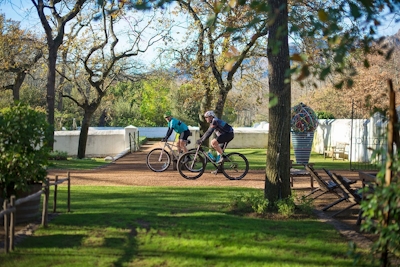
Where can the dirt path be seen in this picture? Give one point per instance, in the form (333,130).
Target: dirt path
(131,169)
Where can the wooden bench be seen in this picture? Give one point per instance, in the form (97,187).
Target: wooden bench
(339,151)
(302,172)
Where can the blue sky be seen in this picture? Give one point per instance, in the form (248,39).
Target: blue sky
(389,27)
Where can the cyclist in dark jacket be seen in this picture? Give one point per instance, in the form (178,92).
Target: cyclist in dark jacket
(223,131)
(180,128)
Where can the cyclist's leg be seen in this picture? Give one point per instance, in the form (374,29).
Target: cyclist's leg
(178,143)
(222,139)
(223,146)
(183,137)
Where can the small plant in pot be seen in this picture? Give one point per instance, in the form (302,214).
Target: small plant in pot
(24,150)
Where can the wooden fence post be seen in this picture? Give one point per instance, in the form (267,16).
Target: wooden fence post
(6,227)
(69,191)
(55,195)
(45,203)
(12,223)
(9,210)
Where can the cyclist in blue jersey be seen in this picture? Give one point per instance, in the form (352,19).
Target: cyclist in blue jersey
(180,128)
(223,131)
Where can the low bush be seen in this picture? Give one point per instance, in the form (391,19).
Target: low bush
(58,155)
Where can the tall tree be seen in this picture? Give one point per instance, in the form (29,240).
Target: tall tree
(369,89)
(99,58)
(277,185)
(20,51)
(330,22)
(222,45)
(54,36)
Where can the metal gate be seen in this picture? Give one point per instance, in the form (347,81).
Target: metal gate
(366,137)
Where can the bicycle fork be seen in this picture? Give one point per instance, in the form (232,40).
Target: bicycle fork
(195,157)
(161,154)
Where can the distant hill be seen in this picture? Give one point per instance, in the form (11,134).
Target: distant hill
(393,40)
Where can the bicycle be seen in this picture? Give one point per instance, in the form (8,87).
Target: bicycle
(159,159)
(192,164)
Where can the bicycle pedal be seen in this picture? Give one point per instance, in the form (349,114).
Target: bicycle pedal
(216,171)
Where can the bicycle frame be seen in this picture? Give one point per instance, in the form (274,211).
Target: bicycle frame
(213,162)
(193,164)
(175,154)
(170,147)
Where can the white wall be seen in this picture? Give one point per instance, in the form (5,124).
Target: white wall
(101,142)
(114,142)
(361,141)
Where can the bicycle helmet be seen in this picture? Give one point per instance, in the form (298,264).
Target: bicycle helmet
(209,113)
(167,114)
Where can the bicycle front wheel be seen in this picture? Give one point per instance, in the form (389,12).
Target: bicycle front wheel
(236,166)
(158,160)
(191,165)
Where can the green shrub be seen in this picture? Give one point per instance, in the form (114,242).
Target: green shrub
(324,115)
(305,204)
(24,150)
(250,202)
(58,155)
(257,203)
(383,202)
(381,211)
(286,206)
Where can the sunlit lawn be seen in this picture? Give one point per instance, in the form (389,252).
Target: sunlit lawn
(256,158)
(78,164)
(167,226)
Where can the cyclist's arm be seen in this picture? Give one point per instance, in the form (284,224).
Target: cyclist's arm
(207,133)
(169,132)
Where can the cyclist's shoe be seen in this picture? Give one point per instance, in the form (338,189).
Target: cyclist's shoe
(218,170)
(221,159)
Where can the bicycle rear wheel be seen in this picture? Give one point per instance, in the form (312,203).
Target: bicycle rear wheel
(191,165)
(236,166)
(158,160)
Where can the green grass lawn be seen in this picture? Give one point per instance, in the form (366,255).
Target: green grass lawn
(78,164)
(256,158)
(167,226)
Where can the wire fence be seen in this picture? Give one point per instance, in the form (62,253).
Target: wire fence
(10,208)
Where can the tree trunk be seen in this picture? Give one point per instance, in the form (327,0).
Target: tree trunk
(204,106)
(54,40)
(222,96)
(277,182)
(50,86)
(83,135)
(102,119)
(17,84)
